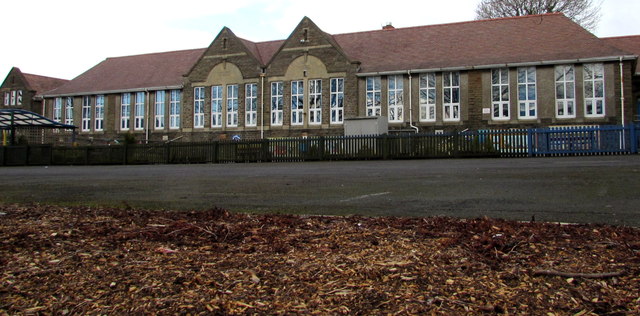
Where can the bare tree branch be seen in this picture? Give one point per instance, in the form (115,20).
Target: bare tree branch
(584,12)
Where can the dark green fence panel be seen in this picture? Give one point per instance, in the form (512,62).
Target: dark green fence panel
(601,140)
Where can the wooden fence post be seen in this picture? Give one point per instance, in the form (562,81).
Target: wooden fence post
(125,154)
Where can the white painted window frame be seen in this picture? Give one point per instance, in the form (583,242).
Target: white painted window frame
(216,105)
(139,111)
(315,101)
(373,96)
(86,113)
(232,105)
(337,100)
(568,85)
(159,109)
(451,110)
(277,103)
(592,83)
(428,94)
(251,104)
(198,107)
(174,109)
(528,103)
(395,98)
(500,94)
(99,113)
(57,109)
(68,111)
(297,102)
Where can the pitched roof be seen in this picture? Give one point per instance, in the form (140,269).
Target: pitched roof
(157,70)
(630,44)
(525,39)
(41,84)
(263,51)
(534,38)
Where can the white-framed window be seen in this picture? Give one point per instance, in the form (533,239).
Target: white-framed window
(198,107)
(99,113)
(315,101)
(139,111)
(159,110)
(86,113)
(428,97)
(216,106)
(68,111)
(297,102)
(337,100)
(500,94)
(251,104)
(374,96)
(277,91)
(125,111)
(232,105)
(593,76)
(395,88)
(19,98)
(565,91)
(7,98)
(57,109)
(527,94)
(13,97)
(451,95)
(174,109)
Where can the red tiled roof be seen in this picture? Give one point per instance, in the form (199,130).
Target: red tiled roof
(268,49)
(263,51)
(42,84)
(629,44)
(526,39)
(547,37)
(133,72)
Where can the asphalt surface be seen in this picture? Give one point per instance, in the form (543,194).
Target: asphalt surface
(602,189)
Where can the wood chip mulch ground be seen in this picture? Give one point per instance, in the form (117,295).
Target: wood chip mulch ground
(81,260)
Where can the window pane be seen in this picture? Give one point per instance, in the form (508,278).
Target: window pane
(599,93)
(531,74)
(432,96)
(531,93)
(559,91)
(504,76)
(522,92)
(570,90)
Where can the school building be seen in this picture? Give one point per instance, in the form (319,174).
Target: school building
(520,72)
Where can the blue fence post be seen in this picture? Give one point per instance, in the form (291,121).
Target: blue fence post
(633,138)
(530,142)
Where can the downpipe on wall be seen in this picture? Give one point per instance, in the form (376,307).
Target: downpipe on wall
(410,105)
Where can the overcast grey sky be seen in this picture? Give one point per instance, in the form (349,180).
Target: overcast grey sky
(64,38)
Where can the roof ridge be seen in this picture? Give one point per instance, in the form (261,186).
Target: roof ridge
(41,76)
(455,23)
(620,37)
(158,53)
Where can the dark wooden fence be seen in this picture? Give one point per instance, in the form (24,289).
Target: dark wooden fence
(601,140)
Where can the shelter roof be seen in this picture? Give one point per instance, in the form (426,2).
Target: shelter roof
(22,118)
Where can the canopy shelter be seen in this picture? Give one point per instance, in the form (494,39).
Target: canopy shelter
(10,119)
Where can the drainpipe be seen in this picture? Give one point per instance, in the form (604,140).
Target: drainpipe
(146,118)
(622,90)
(262,104)
(410,104)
